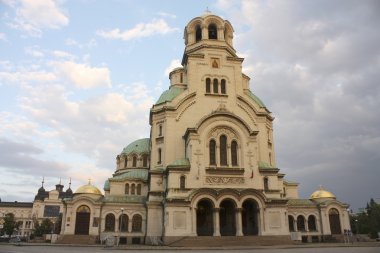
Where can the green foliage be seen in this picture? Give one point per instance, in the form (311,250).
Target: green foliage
(367,222)
(45,227)
(10,224)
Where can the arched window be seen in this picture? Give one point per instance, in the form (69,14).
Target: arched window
(110,222)
(123,221)
(133,190)
(136,223)
(126,190)
(311,223)
(159,156)
(266,184)
(139,189)
(181,78)
(198,33)
(182,182)
(300,223)
(125,162)
(291,223)
(208,85)
(215,85)
(145,160)
(212,32)
(212,152)
(160,130)
(223,86)
(134,161)
(234,148)
(223,150)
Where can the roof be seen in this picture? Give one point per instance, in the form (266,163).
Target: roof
(170,94)
(16,204)
(255,98)
(138,147)
(300,202)
(88,189)
(322,194)
(182,162)
(132,174)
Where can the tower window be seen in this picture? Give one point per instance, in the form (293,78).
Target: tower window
(182,182)
(223,150)
(234,153)
(125,162)
(212,32)
(208,85)
(145,160)
(215,85)
(126,190)
(266,184)
(159,156)
(134,161)
(133,190)
(223,86)
(181,78)
(139,189)
(198,33)
(212,152)
(160,130)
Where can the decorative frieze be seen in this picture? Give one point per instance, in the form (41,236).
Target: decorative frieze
(224,180)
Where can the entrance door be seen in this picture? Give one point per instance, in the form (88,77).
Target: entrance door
(82,221)
(227,218)
(205,225)
(250,218)
(334,222)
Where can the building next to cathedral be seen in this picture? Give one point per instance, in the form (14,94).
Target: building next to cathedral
(208,168)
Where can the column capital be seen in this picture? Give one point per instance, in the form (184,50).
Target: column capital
(216,209)
(238,209)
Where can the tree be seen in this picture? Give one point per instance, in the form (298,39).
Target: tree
(10,224)
(45,227)
(368,221)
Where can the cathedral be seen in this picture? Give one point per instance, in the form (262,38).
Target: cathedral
(208,168)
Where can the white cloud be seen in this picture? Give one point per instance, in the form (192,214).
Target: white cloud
(34,51)
(63,54)
(3,37)
(90,44)
(173,64)
(82,75)
(34,16)
(166,14)
(157,26)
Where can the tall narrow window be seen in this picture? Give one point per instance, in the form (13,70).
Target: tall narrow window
(134,161)
(126,190)
(160,130)
(198,33)
(212,147)
(136,223)
(212,32)
(181,78)
(311,223)
(133,190)
(159,156)
(110,222)
(300,223)
(145,160)
(266,184)
(270,158)
(223,86)
(182,182)
(208,85)
(215,85)
(125,162)
(139,189)
(223,150)
(234,147)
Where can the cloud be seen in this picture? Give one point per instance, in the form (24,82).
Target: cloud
(157,26)
(175,63)
(90,44)
(34,16)
(165,14)
(34,51)
(82,75)
(3,37)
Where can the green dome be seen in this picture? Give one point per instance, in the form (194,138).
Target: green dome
(132,174)
(106,185)
(170,94)
(255,98)
(140,146)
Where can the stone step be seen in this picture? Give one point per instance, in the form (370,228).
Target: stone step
(77,239)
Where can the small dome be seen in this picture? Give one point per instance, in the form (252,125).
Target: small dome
(322,194)
(140,146)
(88,189)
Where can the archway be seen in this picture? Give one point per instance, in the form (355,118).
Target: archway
(334,222)
(250,218)
(205,224)
(227,218)
(82,220)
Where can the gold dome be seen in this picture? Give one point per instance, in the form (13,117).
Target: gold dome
(88,189)
(322,194)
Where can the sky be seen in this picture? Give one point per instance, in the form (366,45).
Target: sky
(78,78)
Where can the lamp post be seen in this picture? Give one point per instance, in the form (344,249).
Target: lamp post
(120,225)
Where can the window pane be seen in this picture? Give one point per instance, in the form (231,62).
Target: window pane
(212,152)
(234,153)
(223,150)
(223,86)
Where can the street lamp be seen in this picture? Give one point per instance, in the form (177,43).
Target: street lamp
(120,224)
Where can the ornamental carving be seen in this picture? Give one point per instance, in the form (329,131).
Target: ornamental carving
(224,180)
(218,131)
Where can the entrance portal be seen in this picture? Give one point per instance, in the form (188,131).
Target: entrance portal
(334,222)
(82,221)
(227,218)
(250,218)
(205,225)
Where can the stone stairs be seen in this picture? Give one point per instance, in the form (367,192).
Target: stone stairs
(77,239)
(221,241)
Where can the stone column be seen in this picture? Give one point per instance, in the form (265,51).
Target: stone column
(238,222)
(129,225)
(216,221)
(194,221)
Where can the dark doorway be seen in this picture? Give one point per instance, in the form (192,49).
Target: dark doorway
(227,218)
(250,218)
(82,221)
(334,222)
(205,225)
